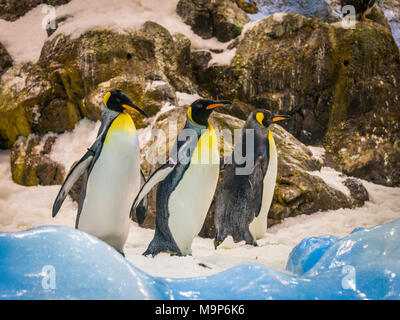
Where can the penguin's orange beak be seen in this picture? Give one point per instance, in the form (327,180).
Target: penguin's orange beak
(135,109)
(215,105)
(277,118)
(218,104)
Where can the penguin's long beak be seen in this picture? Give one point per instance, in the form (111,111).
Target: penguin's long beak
(277,118)
(135,108)
(218,104)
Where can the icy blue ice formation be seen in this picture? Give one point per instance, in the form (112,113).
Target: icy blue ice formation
(308,252)
(63,263)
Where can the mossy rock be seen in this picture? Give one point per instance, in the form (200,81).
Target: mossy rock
(31,166)
(23,90)
(5,59)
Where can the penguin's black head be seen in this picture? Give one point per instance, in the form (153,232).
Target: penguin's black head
(117,100)
(201,109)
(266,117)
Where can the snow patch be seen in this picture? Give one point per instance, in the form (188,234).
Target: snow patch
(332,178)
(318,152)
(186,98)
(278,17)
(71,146)
(118,15)
(222,59)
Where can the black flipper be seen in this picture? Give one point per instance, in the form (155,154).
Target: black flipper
(141,209)
(76,172)
(83,166)
(256,179)
(159,175)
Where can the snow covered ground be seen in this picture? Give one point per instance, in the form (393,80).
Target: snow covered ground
(22,208)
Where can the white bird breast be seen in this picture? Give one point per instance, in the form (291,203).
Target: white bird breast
(189,202)
(258,226)
(112,185)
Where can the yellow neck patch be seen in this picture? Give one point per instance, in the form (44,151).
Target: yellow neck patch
(106,97)
(206,151)
(271,138)
(122,124)
(260,118)
(189,114)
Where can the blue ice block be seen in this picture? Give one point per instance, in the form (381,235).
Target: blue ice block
(64,263)
(307,253)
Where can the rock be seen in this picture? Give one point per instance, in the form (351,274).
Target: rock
(221,19)
(52,26)
(24,90)
(58,116)
(5,59)
(11,10)
(376,14)
(73,74)
(228,20)
(196,13)
(331,11)
(31,164)
(334,82)
(298,190)
(369,156)
(327,11)
(357,190)
(247,6)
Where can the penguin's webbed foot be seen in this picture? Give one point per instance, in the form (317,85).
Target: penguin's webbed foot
(248,238)
(216,243)
(252,243)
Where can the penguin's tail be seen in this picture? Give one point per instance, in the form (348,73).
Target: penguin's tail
(160,244)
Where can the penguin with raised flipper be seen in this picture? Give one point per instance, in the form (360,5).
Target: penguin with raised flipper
(244,199)
(111,175)
(187,183)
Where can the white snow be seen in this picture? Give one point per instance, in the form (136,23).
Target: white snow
(71,146)
(24,38)
(318,152)
(22,208)
(278,17)
(222,59)
(333,179)
(186,98)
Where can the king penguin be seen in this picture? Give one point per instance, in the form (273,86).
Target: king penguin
(244,199)
(187,183)
(111,175)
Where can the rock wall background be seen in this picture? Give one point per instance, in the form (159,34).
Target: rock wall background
(341,86)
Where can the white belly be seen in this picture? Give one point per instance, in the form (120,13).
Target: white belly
(258,226)
(189,202)
(111,189)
